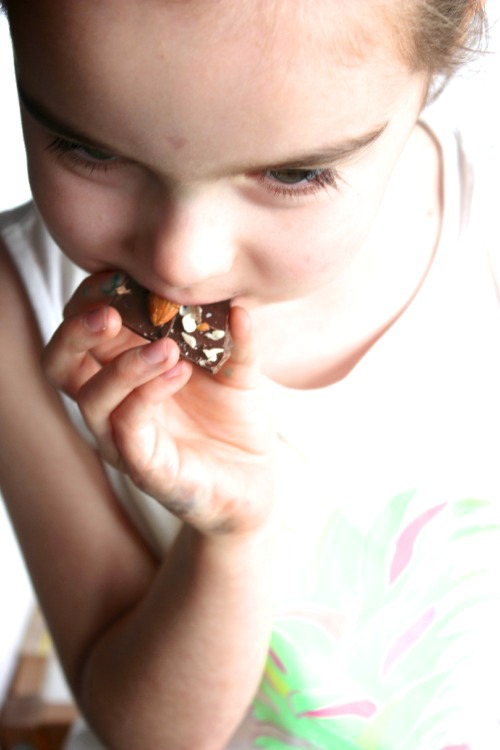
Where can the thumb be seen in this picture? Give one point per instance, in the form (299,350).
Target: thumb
(242,370)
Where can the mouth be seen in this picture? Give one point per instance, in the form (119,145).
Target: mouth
(181,297)
(190,300)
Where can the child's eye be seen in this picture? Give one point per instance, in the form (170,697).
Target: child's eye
(298,182)
(89,158)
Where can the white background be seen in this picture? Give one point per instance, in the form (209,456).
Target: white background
(472,101)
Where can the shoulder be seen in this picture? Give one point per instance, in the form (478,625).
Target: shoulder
(15,308)
(16,216)
(48,276)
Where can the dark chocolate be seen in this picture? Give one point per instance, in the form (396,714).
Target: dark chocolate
(201,332)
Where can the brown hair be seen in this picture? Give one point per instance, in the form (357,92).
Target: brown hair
(443,35)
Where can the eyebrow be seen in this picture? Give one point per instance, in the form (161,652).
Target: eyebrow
(329,154)
(58,126)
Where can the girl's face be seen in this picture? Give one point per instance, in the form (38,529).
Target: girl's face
(213,150)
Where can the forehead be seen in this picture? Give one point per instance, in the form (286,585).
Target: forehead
(347,29)
(180,69)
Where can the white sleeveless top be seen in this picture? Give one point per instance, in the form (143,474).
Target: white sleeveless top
(387,565)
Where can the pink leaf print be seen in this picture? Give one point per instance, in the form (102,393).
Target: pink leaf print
(277,661)
(456,747)
(408,639)
(407,539)
(365,709)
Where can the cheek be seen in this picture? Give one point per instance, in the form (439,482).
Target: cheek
(88,224)
(88,220)
(317,243)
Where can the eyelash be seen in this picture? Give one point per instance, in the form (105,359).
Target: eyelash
(310,182)
(81,155)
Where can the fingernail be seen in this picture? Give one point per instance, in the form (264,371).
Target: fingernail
(96,320)
(154,353)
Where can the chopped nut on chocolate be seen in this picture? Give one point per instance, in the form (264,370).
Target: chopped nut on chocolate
(190,340)
(201,332)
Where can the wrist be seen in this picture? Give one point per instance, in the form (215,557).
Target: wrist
(238,554)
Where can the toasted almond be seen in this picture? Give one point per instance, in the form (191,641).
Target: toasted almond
(161,310)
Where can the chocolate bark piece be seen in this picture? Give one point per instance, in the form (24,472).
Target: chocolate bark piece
(131,301)
(201,332)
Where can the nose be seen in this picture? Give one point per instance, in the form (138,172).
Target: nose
(190,240)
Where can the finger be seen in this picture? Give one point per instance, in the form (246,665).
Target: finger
(148,451)
(95,290)
(67,359)
(115,383)
(242,369)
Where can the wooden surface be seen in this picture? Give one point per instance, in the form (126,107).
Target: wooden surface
(28,717)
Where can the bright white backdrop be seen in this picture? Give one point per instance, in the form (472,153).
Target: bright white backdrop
(472,100)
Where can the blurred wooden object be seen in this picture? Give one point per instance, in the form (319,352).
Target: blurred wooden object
(28,718)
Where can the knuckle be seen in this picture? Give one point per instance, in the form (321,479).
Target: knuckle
(123,423)
(129,368)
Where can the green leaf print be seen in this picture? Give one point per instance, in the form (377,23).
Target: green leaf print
(372,660)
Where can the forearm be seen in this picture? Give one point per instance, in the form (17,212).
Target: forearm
(180,669)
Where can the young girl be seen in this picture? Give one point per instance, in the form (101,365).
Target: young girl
(302,550)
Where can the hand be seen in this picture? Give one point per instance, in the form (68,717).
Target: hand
(200,444)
